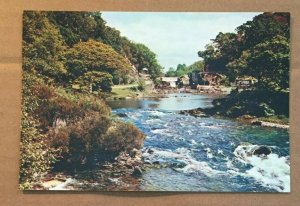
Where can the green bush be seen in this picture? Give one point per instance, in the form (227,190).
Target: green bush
(122,137)
(56,103)
(36,155)
(86,130)
(95,136)
(141,85)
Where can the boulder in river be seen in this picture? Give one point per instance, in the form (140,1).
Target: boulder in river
(262,150)
(150,151)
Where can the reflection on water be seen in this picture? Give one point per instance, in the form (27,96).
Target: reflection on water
(172,102)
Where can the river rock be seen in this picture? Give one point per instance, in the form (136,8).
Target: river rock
(256,123)
(122,115)
(178,165)
(262,150)
(150,151)
(156,162)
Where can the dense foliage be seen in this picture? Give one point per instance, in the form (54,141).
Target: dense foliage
(259,103)
(182,69)
(259,49)
(69,59)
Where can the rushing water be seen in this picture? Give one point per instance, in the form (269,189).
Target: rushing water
(205,154)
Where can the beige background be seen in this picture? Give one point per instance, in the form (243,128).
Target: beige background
(10,101)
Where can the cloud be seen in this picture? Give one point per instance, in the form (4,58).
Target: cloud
(175,37)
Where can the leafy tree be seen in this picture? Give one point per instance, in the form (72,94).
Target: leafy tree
(94,80)
(43,47)
(182,69)
(225,48)
(263,27)
(145,58)
(171,72)
(268,62)
(78,26)
(196,66)
(95,56)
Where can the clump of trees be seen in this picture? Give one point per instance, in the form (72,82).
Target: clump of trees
(69,60)
(182,69)
(259,49)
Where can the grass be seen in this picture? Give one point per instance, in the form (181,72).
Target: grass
(278,119)
(122,93)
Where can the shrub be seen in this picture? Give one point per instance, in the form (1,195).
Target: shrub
(36,156)
(122,137)
(56,103)
(84,137)
(98,137)
(141,85)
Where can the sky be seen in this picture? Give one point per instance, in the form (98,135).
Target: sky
(175,37)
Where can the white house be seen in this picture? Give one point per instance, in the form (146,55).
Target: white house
(170,80)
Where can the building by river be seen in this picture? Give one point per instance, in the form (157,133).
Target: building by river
(169,81)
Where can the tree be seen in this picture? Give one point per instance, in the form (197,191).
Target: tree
(263,27)
(145,58)
(225,48)
(268,62)
(95,56)
(94,80)
(77,26)
(171,72)
(43,47)
(196,66)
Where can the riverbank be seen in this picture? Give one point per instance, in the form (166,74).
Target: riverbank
(121,174)
(121,92)
(273,121)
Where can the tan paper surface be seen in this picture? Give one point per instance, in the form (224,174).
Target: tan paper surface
(10,106)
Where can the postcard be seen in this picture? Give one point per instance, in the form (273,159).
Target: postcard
(155,101)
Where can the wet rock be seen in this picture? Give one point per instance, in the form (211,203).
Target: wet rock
(156,162)
(137,172)
(121,115)
(256,123)
(262,150)
(155,128)
(150,151)
(178,165)
(147,162)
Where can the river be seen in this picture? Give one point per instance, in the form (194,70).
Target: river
(205,154)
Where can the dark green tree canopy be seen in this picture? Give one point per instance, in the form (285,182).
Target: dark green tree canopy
(260,49)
